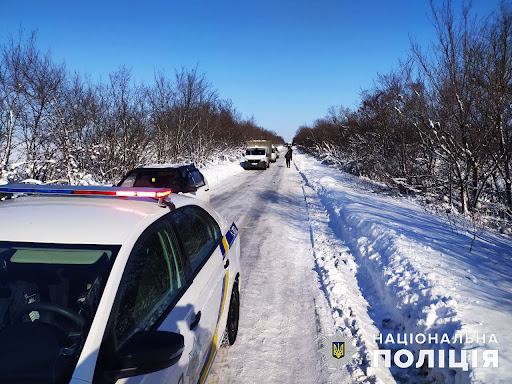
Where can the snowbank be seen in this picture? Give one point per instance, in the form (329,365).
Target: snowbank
(218,173)
(419,276)
(215,173)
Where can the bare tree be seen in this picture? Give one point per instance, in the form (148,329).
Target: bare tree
(64,127)
(496,80)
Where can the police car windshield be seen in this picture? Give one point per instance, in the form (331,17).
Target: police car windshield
(48,297)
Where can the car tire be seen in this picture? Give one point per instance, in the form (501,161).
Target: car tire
(233,316)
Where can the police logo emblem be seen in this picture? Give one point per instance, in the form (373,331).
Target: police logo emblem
(338,349)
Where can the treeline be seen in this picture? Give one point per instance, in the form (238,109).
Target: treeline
(56,126)
(440,124)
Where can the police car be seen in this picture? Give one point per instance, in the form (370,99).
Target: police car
(106,285)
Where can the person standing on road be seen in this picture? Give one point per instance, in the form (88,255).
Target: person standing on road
(288,157)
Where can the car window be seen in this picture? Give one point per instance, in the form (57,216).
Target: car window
(153,179)
(153,277)
(196,179)
(129,180)
(199,233)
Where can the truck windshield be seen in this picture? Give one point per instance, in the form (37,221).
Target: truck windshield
(48,298)
(255,151)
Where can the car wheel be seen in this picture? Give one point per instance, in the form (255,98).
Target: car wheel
(233,315)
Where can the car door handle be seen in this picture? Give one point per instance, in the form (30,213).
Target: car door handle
(196,320)
(226,264)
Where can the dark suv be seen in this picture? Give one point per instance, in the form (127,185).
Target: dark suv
(184,179)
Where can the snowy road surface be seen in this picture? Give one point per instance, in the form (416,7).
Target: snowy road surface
(323,252)
(277,340)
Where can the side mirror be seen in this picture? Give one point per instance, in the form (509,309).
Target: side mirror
(146,352)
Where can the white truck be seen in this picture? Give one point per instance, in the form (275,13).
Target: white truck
(257,154)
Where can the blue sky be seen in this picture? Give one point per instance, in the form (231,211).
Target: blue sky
(283,62)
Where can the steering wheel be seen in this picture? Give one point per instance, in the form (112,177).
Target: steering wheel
(54,308)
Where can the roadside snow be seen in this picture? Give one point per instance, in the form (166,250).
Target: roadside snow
(415,275)
(337,269)
(217,174)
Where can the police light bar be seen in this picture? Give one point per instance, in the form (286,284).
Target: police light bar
(156,193)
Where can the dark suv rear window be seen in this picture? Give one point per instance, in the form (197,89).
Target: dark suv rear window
(154,179)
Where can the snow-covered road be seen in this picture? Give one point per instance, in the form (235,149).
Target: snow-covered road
(285,310)
(277,340)
(322,252)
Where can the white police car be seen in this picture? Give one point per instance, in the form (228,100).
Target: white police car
(104,285)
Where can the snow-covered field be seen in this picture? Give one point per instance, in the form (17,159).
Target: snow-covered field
(383,265)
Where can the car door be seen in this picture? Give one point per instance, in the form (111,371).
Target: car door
(153,295)
(197,181)
(201,240)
